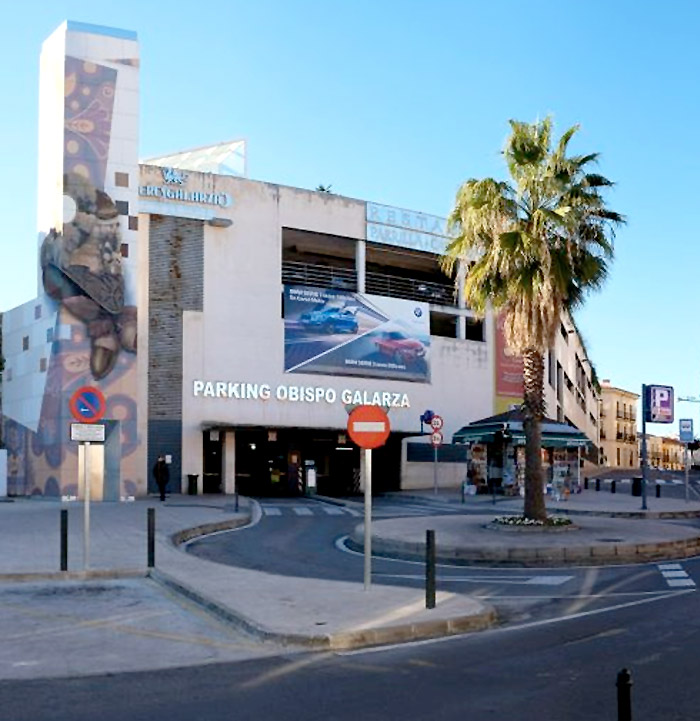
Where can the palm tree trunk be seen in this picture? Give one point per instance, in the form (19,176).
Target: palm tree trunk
(533,411)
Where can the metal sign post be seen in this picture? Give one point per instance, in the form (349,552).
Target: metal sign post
(368,517)
(436,424)
(644,447)
(85,434)
(368,427)
(86,504)
(686,435)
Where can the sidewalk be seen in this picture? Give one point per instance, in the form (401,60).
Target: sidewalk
(311,613)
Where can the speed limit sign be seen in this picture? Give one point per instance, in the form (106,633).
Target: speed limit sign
(436,438)
(436,423)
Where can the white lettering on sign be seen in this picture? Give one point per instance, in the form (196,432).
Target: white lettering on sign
(298,394)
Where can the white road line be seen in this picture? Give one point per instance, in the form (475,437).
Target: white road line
(271,511)
(302,511)
(675,576)
(519,627)
(333,511)
(533,581)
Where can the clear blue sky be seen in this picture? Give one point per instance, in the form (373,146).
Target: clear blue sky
(398,102)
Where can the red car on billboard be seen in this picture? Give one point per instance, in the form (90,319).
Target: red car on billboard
(399,348)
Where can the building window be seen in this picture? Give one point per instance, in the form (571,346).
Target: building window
(42,365)
(122,207)
(121,180)
(37,312)
(125,250)
(133,222)
(551,369)
(618,456)
(474,329)
(25,343)
(443,324)
(49,335)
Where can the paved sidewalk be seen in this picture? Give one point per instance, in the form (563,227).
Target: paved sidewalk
(313,613)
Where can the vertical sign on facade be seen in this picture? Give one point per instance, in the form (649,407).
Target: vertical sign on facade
(659,404)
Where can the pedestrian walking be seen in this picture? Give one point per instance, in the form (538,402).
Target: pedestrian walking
(161,474)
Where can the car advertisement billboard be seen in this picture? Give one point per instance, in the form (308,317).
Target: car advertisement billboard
(339,332)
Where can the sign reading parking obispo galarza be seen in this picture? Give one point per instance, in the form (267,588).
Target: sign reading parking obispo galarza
(299,394)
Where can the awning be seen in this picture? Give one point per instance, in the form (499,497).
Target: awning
(554,433)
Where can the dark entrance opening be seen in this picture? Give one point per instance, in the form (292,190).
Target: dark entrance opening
(274,462)
(212,465)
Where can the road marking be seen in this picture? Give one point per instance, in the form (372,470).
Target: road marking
(334,511)
(302,511)
(678,582)
(675,576)
(518,627)
(271,511)
(532,581)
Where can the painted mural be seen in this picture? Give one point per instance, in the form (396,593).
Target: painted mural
(94,339)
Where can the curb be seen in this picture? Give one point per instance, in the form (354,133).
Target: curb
(600,555)
(344,640)
(189,534)
(114,574)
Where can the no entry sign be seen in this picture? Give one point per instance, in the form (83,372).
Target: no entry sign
(368,426)
(88,405)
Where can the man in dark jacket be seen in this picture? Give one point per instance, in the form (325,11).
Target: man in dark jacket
(161,474)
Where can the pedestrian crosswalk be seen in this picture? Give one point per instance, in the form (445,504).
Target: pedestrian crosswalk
(675,576)
(315,510)
(659,481)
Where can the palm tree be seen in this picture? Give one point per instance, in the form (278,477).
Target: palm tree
(535,246)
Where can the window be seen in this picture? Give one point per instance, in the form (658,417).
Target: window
(25,343)
(49,335)
(37,311)
(551,369)
(133,222)
(443,324)
(121,180)
(122,207)
(474,329)
(618,456)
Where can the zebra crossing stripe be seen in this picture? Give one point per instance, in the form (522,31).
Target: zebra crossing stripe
(675,576)
(333,511)
(302,511)
(271,511)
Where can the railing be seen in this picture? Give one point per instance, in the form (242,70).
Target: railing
(395,286)
(321,276)
(324,276)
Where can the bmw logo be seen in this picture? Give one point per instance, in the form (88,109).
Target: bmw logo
(418,312)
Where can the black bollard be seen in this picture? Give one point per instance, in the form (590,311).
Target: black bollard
(151,537)
(597,484)
(612,486)
(64,539)
(658,491)
(624,695)
(585,483)
(430,569)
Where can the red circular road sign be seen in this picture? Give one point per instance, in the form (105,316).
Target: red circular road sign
(368,426)
(88,404)
(436,438)
(436,422)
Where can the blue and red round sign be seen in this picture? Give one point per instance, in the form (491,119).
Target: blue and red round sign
(88,404)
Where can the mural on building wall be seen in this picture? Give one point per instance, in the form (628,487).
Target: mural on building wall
(344,333)
(94,340)
(508,370)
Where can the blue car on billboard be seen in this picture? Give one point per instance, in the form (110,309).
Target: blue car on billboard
(330,320)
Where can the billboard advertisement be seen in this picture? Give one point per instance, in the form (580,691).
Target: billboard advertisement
(339,332)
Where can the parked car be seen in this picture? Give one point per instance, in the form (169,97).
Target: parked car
(330,320)
(399,348)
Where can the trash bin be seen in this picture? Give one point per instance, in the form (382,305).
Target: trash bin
(637,486)
(192,484)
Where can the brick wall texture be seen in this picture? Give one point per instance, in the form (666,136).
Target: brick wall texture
(176,284)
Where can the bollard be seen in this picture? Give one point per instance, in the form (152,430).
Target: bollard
(585,484)
(624,695)
(658,491)
(64,539)
(430,569)
(612,486)
(151,537)
(597,484)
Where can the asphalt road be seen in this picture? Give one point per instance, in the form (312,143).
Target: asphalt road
(303,538)
(563,670)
